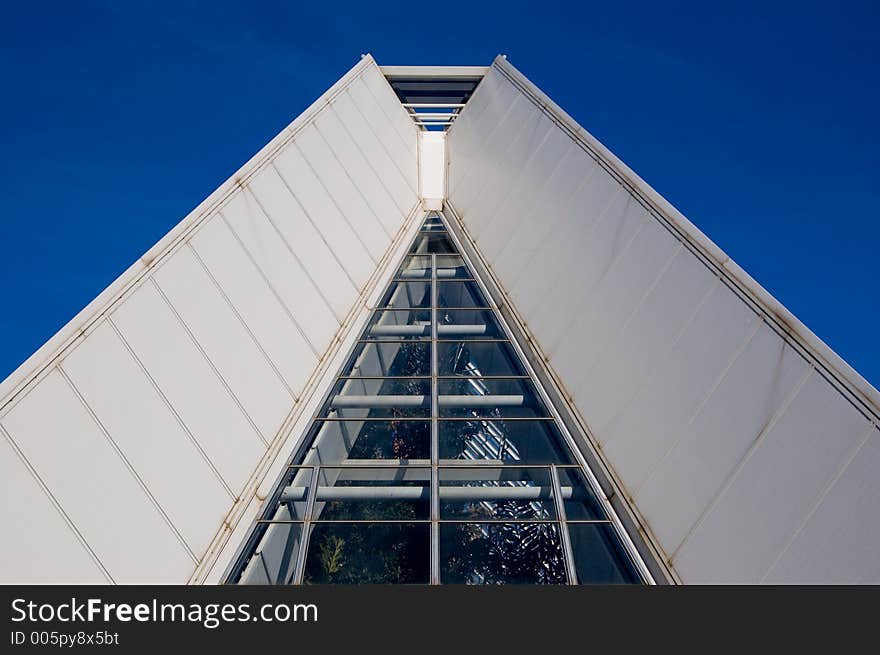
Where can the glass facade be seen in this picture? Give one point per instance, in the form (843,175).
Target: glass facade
(434,459)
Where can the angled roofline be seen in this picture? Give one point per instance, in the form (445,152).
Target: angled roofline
(42,360)
(863,395)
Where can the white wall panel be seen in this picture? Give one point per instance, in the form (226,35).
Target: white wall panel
(185,378)
(149,436)
(281,337)
(739,455)
(346,195)
(335,231)
(774,488)
(55,554)
(741,407)
(226,341)
(95,487)
(365,177)
(829,529)
(282,270)
(401,189)
(396,144)
(299,233)
(187,366)
(394,112)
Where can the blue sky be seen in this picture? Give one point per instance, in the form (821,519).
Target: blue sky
(759,122)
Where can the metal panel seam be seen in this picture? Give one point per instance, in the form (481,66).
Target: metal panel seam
(818,502)
(56,504)
(241,320)
(156,504)
(731,477)
(169,406)
(272,288)
(210,362)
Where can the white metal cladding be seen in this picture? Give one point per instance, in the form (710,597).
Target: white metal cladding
(130,443)
(748,457)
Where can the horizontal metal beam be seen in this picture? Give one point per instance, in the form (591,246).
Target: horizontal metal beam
(465,400)
(296,494)
(425,330)
(434,105)
(428,72)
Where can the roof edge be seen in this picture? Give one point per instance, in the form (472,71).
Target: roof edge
(44,357)
(858,386)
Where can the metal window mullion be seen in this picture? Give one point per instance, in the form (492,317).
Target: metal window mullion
(306,529)
(567,551)
(435,434)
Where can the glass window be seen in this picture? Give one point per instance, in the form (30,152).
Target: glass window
(458,293)
(415,266)
(489,398)
(484,480)
(274,560)
(433,243)
(599,556)
(503,493)
(363,398)
(368,553)
(390,358)
(477,358)
(451,266)
(373,494)
(340,441)
(468,324)
(400,324)
(501,553)
(580,502)
(406,295)
(530,442)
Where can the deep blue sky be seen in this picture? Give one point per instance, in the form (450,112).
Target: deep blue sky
(760,123)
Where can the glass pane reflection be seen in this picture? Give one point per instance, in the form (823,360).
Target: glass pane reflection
(338,441)
(368,553)
(501,553)
(599,556)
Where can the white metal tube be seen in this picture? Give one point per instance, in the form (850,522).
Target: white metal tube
(295,494)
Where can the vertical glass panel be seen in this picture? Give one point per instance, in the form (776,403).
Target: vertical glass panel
(406,295)
(339,441)
(599,556)
(433,243)
(489,398)
(458,293)
(501,553)
(373,494)
(274,559)
(477,358)
(368,553)
(468,324)
(390,358)
(531,442)
(581,503)
(504,493)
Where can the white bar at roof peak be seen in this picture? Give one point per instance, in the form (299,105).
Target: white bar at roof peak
(434,71)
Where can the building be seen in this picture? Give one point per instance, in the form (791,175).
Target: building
(435,332)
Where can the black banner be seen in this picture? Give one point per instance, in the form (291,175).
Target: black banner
(397,619)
